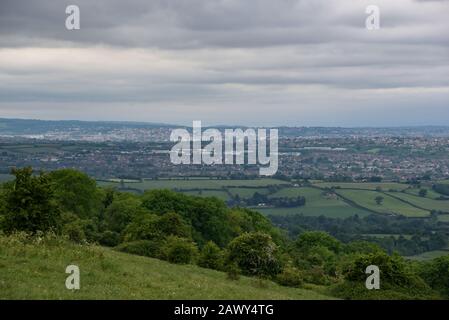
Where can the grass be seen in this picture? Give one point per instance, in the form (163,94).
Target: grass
(385,186)
(430,193)
(195,183)
(209,193)
(31,270)
(426,203)
(317,204)
(429,255)
(246,193)
(390,205)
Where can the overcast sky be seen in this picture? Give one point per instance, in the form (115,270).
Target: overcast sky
(252,62)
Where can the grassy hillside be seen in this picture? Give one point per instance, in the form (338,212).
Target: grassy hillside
(31,270)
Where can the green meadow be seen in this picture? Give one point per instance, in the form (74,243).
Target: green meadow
(37,271)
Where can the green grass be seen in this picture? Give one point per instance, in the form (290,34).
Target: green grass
(426,203)
(195,183)
(246,193)
(364,185)
(443,217)
(430,193)
(37,271)
(317,204)
(390,205)
(209,193)
(429,255)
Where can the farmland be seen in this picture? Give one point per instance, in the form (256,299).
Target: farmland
(331,199)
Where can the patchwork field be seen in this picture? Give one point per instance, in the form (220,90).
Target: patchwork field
(385,186)
(348,199)
(317,204)
(389,205)
(188,184)
(426,203)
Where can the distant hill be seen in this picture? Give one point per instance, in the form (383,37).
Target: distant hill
(37,271)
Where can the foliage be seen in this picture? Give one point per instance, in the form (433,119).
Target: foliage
(211,256)
(255,253)
(179,250)
(29,203)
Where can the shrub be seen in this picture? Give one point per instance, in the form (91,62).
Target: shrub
(211,257)
(232,271)
(290,277)
(29,203)
(179,250)
(109,238)
(74,231)
(146,248)
(255,254)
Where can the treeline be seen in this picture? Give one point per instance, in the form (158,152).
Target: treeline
(266,200)
(204,231)
(424,234)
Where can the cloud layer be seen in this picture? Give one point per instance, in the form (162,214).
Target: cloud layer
(261,62)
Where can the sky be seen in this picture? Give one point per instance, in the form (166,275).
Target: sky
(235,62)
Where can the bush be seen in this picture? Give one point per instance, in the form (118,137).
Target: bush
(232,271)
(211,257)
(109,238)
(29,203)
(74,231)
(179,250)
(255,254)
(436,274)
(146,248)
(290,277)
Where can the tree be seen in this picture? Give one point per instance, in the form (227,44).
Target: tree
(436,274)
(254,253)
(179,250)
(379,200)
(423,192)
(76,192)
(211,256)
(29,203)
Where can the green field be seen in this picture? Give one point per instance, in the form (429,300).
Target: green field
(385,186)
(430,193)
(429,255)
(247,193)
(317,204)
(426,203)
(187,184)
(390,205)
(37,271)
(209,193)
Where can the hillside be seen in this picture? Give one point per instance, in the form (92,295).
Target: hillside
(30,270)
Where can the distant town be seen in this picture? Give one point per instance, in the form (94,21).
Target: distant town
(126,150)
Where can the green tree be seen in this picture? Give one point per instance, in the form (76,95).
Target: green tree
(255,253)
(423,192)
(76,192)
(211,256)
(179,250)
(29,203)
(379,200)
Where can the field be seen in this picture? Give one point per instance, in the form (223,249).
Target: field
(209,193)
(37,271)
(385,186)
(429,255)
(189,184)
(390,205)
(316,204)
(348,198)
(426,203)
